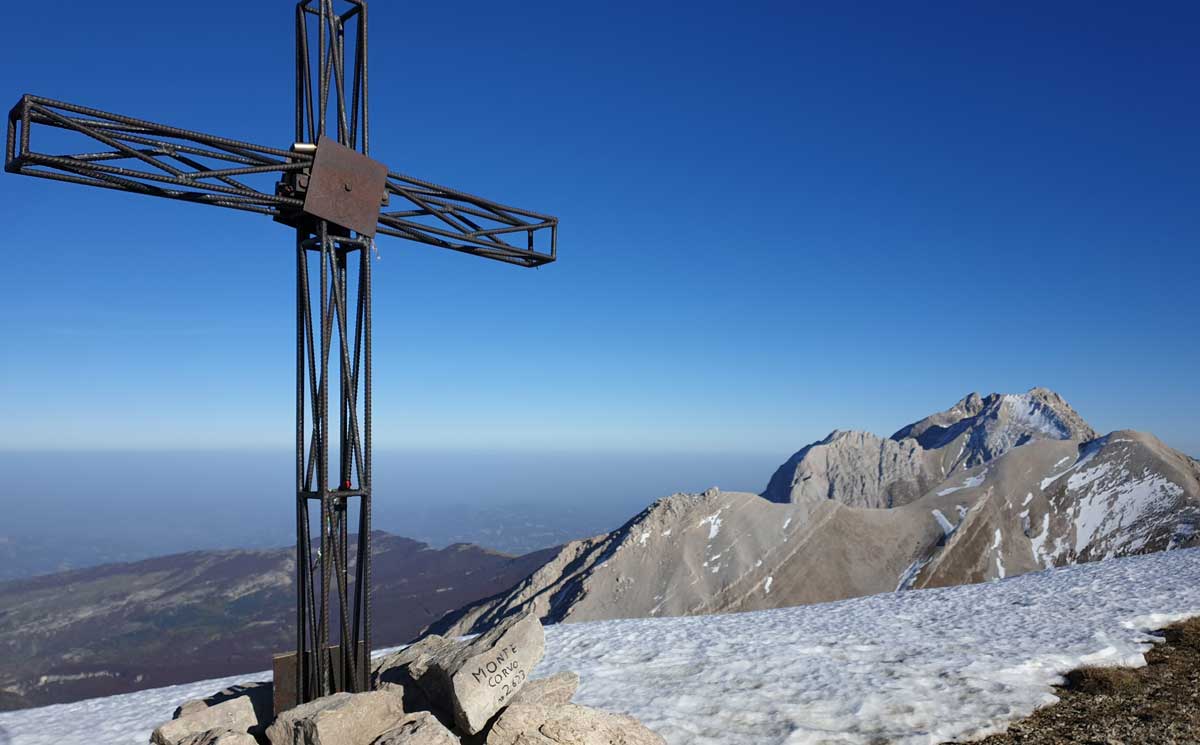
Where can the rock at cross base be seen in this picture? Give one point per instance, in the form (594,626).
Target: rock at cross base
(477,679)
(556,690)
(529,724)
(340,719)
(238,709)
(259,693)
(421,728)
(401,670)
(219,737)
(187,708)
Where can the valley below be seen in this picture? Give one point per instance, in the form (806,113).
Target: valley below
(172,619)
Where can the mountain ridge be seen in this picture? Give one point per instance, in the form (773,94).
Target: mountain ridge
(1009,483)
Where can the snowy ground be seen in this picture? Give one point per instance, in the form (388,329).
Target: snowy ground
(912,667)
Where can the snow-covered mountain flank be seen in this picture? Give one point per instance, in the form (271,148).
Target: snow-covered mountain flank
(990,488)
(910,668)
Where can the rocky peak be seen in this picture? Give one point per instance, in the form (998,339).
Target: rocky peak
(858,469)
(1043,491)
(984,428)
(968,406)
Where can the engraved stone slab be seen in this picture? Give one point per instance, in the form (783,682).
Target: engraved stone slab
(401,670)
(480,677)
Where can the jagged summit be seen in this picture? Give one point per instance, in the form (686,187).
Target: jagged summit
(989,427)
(993,487)
(860,469)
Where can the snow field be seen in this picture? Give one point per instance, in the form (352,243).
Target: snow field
(916,667)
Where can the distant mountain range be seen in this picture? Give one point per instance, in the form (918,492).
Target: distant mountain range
(123,627)
(28,555)
(990,488)
(511,528)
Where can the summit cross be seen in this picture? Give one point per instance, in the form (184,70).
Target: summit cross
(326,187)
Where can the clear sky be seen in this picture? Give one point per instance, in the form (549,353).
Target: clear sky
(776,220)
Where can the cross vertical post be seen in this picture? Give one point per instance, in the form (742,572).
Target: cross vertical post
(333,599)
(336,199)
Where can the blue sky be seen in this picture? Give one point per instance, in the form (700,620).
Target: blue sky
(776,220)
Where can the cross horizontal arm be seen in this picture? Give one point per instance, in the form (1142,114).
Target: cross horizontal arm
(143,157)
(452,219)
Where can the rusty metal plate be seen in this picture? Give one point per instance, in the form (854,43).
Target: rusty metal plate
(285,691)
(345,187)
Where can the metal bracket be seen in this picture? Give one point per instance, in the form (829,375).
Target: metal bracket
(345,187)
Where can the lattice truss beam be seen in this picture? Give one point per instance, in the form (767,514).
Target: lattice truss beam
(325,186)
(333,324)
(87,146)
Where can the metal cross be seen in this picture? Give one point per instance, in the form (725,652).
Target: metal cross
(337,199)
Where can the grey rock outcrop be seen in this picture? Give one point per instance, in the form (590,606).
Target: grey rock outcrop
(479,678)
(557,690)
(421,728)
(259,694)
(339,719)
(993,487)
(531,724)
(857,469)
(402,671)
(188,708)
(219,737)
(233,711)
(983,429)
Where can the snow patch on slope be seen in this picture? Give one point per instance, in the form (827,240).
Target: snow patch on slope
(1122,503)
(1024,411)
(714,524)
(1085,458)
(909,576)
(969,483)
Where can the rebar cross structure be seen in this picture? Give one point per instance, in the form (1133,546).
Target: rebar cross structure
(325,186)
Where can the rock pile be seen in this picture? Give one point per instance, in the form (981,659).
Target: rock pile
(437,691)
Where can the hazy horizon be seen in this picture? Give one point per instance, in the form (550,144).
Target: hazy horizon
(122,505)
(99,505)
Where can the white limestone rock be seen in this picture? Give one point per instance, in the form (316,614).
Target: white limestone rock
(219,737)
(236,714)
(340,719)
(259,693)
(475,680)
(531,724)
(557,690)
(421,728)
(401,671)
